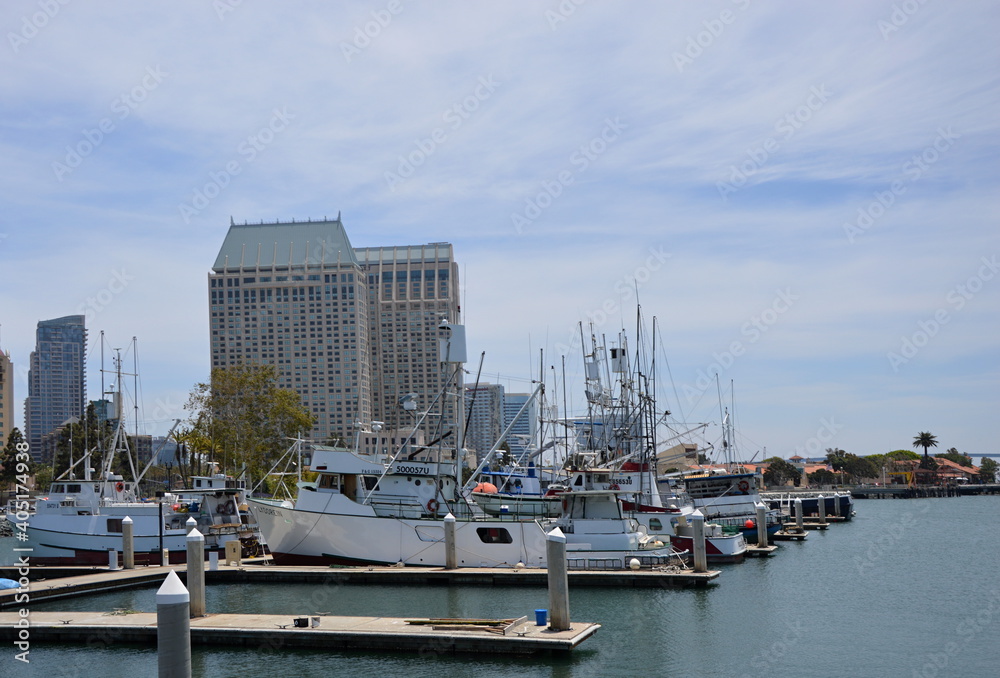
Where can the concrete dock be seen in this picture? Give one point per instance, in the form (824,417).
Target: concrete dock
(273,632)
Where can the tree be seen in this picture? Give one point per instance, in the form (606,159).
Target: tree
(859,468)
(835,458)
(903,455)
(954,455)
(822,477)
(8,457)
(779,471)
(988,471)
(246,416)
(925,439)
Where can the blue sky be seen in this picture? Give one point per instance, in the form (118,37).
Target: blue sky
(802,194)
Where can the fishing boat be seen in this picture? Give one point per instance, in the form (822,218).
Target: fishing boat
(839,504)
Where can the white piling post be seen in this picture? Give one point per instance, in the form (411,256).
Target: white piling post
(798,516)
(213,561)
(698,539)
(450,550)
(112,559)
(190,524)
(821,503)
(761,525)
(128,543)
(196,572)
(558,580)
(173,628)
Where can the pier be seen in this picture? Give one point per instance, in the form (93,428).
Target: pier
(274,632)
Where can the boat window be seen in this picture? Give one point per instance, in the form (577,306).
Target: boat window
(329,481)
(654,524)
(494,535)
(115,525)
(197,482)
(371,483)
(579,481)
(57,488)
(74,488)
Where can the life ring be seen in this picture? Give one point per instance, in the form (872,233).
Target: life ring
(614,486)
(744,486)
(120,486)
(433,505)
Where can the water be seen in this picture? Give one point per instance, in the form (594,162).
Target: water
(909,588)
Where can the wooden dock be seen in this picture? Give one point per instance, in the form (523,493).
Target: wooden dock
(273,632)
(790,534)
(761,551)
(66,582)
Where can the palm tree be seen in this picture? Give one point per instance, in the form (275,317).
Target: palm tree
(925,439)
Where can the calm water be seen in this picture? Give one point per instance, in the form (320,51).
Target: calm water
(909,588)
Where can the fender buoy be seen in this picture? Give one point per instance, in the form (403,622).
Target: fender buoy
(120,486)
(433,505)
(744,486)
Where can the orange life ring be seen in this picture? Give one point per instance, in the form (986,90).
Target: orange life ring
(744,486)
(433,505)
(120,486)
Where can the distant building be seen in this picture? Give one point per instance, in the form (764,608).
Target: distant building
(57,387)
(351,330)
(485,407)
(523,435)
(6,396)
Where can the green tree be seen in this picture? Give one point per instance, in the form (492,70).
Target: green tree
(8,457)
(988,471)
(925,439)
(860,468)
(954,455)
(903,455)
(247,417)
(835,457)
(779,471)
(822,477)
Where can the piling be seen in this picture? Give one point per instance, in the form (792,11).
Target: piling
(112,559)
(190,524)
(450,551)
(798,515)
(196,572)
(558,580)
(761,525)
(128,543)
(698,539)
(173,629)
(821,503)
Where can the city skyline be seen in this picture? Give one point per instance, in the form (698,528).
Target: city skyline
(819,230)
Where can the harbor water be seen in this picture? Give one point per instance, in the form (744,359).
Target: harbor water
(908,588)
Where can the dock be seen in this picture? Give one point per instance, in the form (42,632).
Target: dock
(761,551)
(274,632)
(65,582)
(791,534)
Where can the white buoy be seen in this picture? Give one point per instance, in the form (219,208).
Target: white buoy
(450,551)
(798,515)
(634,564)
(698,539)
(128,543)
(196,572)
(821,503)
(558,580)
(173,629)
(761,525)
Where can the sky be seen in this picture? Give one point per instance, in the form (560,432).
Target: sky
(802,195)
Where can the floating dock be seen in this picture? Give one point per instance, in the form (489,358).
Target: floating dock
(791,534)
(761,551)
(274,632)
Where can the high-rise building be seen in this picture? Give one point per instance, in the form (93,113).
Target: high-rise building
(484,404)
(57,388)
(352,331)
(523,435)
(6,396)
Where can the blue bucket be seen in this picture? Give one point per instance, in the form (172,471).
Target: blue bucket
(541,617)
